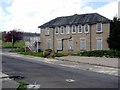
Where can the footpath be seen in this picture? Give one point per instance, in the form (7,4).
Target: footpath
(7,83)
(100,61)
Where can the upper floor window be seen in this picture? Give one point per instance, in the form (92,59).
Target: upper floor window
(79,28)
(47,31)
(86,28)
(73,29)
(57,30)
(62,30)
(67,30)
(99,27)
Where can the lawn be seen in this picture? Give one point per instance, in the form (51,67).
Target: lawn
(9,44)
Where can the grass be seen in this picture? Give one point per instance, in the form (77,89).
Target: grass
(38,54)
(16,45)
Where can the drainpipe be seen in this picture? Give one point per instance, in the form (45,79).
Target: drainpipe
(90,39)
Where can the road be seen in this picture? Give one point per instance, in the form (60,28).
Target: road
(55,76)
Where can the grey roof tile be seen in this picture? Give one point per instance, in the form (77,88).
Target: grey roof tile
(90,18)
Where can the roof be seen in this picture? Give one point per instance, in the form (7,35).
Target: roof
(90,18)
(26,34)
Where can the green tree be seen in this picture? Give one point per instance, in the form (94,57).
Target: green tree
(13,36)
(114,37)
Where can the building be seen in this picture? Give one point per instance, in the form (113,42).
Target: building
(76,33)
(32,41)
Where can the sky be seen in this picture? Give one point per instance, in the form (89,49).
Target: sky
(27,15)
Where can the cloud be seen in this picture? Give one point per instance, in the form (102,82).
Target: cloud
(29,14)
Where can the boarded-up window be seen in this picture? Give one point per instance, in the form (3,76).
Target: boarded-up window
(99,44)
(59,44)
(82,44)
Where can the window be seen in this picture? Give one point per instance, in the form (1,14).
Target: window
(82,44)
(99,27)
(48,43)
(79,28)
(57,30)
(67,30)
(47,31)
(73,29)
(86,28)
(70,44)
(99,44)
(62,30)
(59,44)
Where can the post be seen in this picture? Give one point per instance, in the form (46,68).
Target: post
(12,42)
(53,41)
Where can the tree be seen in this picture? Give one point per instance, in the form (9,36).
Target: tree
(13,36)
(114,37)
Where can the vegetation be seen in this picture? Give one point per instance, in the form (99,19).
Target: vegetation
(16,45)
(114,38)
(13,37)
(38,54)
(22,85)
(100,53)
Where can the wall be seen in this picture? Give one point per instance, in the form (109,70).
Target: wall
(76,38)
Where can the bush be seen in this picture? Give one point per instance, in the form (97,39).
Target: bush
(58,54)
(100,53)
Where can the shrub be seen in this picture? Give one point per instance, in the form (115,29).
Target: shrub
(100,53)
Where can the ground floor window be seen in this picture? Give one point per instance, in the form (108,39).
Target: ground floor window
(70,44)
(82,44)
(99,44)
(59,44)
(48,41)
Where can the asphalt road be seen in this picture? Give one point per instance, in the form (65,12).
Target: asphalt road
(55,76)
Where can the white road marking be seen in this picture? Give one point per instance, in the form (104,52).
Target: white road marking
(69,80)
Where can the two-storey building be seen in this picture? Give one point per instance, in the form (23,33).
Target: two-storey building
(76,33)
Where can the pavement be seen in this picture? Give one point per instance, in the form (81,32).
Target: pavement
(100,61)
(7,83)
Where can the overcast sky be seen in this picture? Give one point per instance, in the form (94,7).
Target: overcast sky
(27,15)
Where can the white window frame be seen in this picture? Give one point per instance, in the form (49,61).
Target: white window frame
(67,29)
(47,31)
(59,48)
(97,27)
(73,28)
(70,48)
(47,43)
(62,28)
(56,28)
(79,28)
(101,44)
(85,28)
(81,47)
